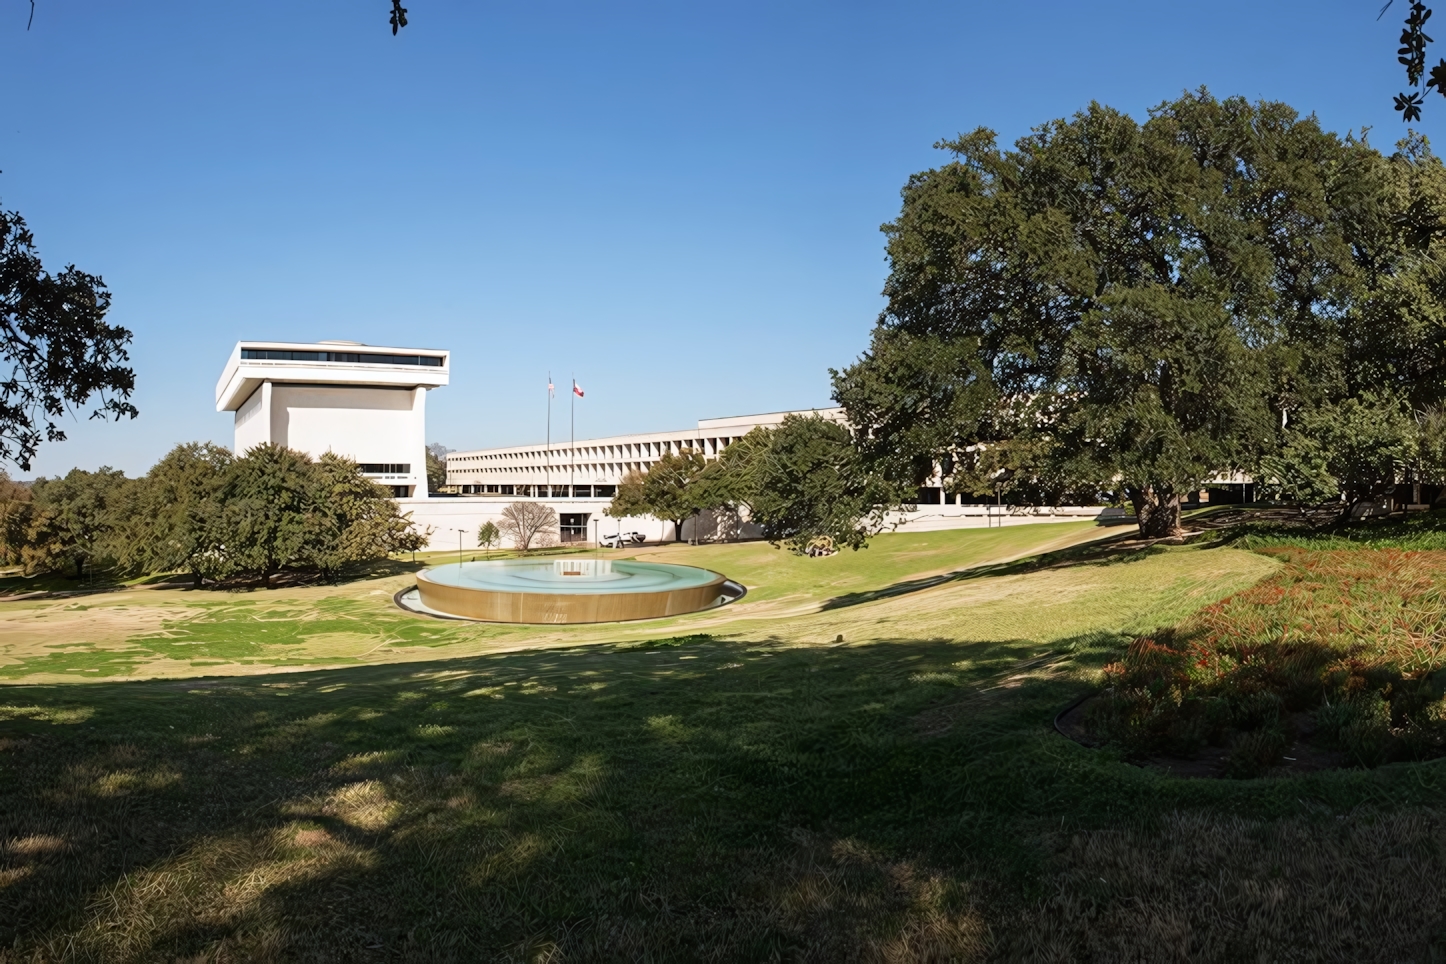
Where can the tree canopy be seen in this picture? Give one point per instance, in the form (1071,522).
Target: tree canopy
(202,511)
(799,482)
(673,489)
(57,353)
(170,516)
(1138,307)
(805,481)
(436,456)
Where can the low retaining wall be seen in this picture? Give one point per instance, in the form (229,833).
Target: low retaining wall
(445,516)
(931,518)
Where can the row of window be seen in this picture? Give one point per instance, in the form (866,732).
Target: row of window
(545,491)
(627,450)
(386,468)
(618,468)
(351,357)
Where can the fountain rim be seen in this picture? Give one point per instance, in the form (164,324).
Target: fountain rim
(581,588)
(534,607)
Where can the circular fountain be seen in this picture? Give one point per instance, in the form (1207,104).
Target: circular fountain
(566,590)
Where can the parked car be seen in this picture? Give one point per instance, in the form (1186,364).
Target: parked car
(617,540)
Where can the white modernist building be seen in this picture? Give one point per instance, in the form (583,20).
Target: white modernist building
(579,479)
(593,468)
(365,402)
(368,403)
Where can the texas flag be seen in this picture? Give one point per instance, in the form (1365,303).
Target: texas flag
(576,389)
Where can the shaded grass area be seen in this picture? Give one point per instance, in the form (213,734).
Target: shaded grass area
(699,800)
(728,787)
(1419,531)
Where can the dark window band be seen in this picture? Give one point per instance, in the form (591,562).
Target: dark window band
(353,357)
(386,468)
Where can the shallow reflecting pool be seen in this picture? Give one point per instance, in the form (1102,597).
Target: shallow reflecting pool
(567,590)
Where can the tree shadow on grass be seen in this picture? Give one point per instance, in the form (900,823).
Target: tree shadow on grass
(710,801)
(1123,548)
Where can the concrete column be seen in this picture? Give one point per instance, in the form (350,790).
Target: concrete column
(419,421)
(275,427)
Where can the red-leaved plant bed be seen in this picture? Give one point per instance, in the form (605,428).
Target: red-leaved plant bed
(1342,649)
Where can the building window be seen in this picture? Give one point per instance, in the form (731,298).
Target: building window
(386,468)
(604,491)
(349,357)
(582,492)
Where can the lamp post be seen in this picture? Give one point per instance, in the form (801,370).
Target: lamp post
(459,545)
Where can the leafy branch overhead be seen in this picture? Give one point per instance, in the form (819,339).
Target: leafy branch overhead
(57,352)
(398,18)
(1412,56)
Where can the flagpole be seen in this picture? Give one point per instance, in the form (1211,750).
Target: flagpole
(547,473)
(572,443)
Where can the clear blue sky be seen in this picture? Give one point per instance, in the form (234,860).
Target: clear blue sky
(678,201)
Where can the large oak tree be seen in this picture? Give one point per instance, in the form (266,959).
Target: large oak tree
(1142,304)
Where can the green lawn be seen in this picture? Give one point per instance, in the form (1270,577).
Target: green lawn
(763,794)
(145,632)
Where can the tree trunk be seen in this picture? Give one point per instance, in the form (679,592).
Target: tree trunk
(677,530)
(1157,511)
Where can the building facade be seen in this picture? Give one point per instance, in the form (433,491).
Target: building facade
(593,468)
(368,403)
(365,402)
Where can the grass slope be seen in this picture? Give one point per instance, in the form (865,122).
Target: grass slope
(761,795)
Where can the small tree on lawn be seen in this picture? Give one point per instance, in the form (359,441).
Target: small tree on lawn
(528,522)
(263,525)
(172,511)
(670,490)
(489,536)
(72,524)
(809,483)
(1358,447)
(17,508)
(351,519)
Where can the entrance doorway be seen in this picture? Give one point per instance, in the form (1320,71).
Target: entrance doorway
(572,527)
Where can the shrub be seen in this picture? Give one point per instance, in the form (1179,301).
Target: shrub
(1366,734)
(1254,753)
(1356,636)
